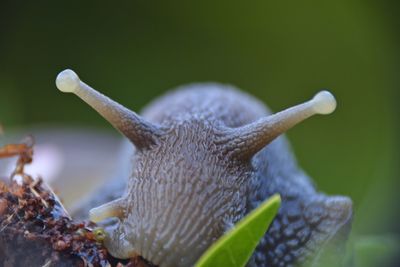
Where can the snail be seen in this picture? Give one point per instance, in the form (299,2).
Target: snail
(205,155)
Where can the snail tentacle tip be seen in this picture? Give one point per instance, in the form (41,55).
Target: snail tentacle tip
(67,81)
(324,102)
(97,214)
(107,210)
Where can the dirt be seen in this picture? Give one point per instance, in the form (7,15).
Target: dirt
(35,230)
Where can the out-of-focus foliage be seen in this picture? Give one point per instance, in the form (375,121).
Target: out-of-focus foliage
(375,251)
(236,246)
(278,51)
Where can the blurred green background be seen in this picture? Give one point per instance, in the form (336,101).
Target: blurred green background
(282,52)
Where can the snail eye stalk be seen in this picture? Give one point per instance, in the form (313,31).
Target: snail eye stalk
(141,132)
(247,140)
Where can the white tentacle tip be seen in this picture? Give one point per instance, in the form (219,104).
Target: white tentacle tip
(107,210)
(67,81)
(324,102)
(97,214)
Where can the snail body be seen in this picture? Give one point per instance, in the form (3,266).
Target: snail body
(205,155)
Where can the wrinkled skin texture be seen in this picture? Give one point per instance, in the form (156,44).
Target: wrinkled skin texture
(184,192)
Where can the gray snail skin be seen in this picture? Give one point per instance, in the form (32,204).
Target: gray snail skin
(205,155)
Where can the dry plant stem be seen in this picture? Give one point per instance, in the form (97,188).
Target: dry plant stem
(24,151)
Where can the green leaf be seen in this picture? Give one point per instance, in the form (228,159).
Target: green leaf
(236,246)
